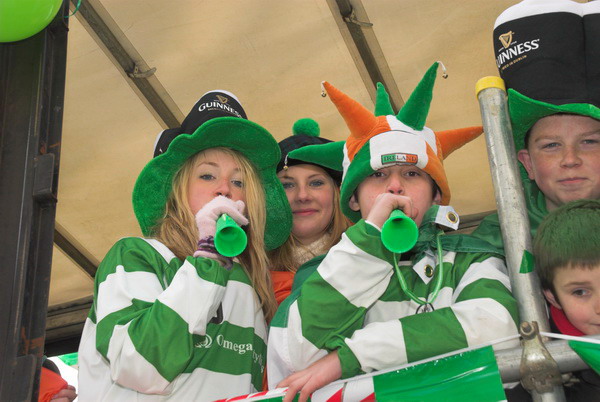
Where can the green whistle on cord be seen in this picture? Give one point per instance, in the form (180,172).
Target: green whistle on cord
(230,238)
(399,233)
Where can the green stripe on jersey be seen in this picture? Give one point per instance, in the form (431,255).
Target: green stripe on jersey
(304,271)
(491,289)
(431,334)
(226,348)
(327,316)
(368,239)
(135,255)
(168,351)
(92,313)
(230,349)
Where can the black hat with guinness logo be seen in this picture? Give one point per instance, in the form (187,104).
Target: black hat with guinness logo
(213,104)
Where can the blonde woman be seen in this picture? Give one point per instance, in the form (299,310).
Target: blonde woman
(172,318)
(312,189)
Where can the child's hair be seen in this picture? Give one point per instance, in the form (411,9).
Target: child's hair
(282,258)
(178,230)
(568,237)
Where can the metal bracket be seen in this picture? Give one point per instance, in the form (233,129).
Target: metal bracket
(138,73)
(539,371)
(352,19)
(43,177)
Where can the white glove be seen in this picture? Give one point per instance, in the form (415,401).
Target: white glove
(206,220)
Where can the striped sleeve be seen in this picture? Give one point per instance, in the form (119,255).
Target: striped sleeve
(330,305)
(481,310)
(148,306)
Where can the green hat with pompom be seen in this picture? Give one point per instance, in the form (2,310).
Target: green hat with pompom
(306,133)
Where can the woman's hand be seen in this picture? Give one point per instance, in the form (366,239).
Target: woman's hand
(65,395)
(316,376)
(206,220)
(206,217)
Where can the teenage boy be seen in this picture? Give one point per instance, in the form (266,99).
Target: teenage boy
(365,308)
(567,254)
(553,99)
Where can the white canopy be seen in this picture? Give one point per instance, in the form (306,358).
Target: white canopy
(273,55)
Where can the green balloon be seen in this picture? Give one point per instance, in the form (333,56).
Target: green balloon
(20,19)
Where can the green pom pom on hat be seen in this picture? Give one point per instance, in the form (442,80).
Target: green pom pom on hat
(305,133)
(306,126)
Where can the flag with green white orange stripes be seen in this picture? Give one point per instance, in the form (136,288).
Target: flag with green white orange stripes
(442,378)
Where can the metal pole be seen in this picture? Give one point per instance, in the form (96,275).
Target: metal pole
(358,34)
(512,209)
(113,41)
(32,79)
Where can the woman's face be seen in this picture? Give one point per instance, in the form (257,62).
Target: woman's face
(214,173)
(310,191)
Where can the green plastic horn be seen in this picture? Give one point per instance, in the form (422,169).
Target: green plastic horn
(230,238)
(399,233)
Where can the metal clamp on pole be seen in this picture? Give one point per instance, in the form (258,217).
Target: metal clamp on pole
(512,210)
(539,371)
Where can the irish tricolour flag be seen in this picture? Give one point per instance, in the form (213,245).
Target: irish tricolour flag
(464,376)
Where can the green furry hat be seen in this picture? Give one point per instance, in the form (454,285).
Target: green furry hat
(216,120)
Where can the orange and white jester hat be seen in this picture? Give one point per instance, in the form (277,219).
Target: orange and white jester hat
(377,141)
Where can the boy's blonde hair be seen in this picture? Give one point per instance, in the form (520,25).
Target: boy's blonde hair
(178,231)
(282,258)
(568,237)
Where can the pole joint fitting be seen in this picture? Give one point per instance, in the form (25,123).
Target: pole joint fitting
(539,371)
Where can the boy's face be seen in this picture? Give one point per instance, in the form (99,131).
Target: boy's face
(405,180)
(578,295)
(563,157)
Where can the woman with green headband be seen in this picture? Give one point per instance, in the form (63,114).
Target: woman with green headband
(174,316)
(313,191)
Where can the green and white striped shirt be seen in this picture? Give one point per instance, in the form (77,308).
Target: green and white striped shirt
(353,303)
(161,328)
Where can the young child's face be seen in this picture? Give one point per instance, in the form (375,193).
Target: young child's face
(215,173)
(563,157)
(578,295)
(405,180)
